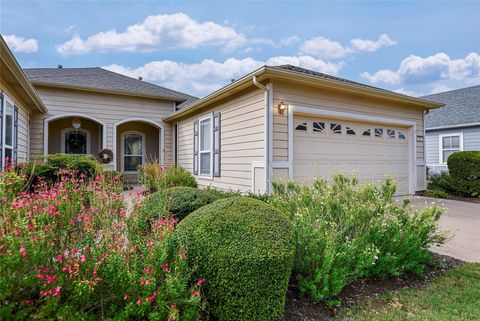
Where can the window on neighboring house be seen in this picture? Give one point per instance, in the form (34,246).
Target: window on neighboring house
(75,142)
(133,151)
(450,144)
(205,151)
(8,130)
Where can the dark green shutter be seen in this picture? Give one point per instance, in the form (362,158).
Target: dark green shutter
(216,145)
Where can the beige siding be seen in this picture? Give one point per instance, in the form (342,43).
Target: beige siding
(242,140)
(23,118)
(304,95)
(105,107)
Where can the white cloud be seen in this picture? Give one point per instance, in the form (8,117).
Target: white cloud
(326,48)
(430,70)
(208,75)
(408,92)
(20,44)
(158,32)
(383,76)
(323,47)
(370,45)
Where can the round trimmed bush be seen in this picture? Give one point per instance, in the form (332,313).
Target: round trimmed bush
(180,201)
(464,169)
(243,248)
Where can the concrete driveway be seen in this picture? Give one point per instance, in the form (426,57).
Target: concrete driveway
(461,219)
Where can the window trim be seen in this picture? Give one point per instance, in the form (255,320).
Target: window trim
(441,149)
(122,149)
(200,120)
(69,129)
(3,128)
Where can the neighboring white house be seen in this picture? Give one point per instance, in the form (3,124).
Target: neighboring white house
(454,127)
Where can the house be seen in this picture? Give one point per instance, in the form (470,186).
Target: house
(455,127)
(90,109)
(290,123)
(18,102)
(276,123)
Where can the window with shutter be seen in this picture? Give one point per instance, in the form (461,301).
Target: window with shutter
(195,147)
(216,144)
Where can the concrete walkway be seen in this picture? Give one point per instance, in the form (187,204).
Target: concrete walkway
(461,219)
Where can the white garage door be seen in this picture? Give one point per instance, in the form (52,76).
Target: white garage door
(324,147)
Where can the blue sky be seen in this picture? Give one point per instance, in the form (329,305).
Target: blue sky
(196,46)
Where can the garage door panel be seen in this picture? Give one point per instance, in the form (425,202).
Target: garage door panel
(370,158)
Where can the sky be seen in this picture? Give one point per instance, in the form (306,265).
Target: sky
(412,47)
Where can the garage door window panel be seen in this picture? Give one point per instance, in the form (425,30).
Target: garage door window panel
(350,131)
(367,132)
(391,133)
(378,132)
(301,126)
(318,126)
(336,128)
(401,136)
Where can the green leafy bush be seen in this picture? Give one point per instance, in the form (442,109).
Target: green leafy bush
(179,201)
(437,193)
(441,182)
(68,252)
(464,169)
(51,170)
(344,231)
(157,177)
(243,247)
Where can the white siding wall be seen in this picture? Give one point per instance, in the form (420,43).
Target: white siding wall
(242,140)
(107,108)
(471,141)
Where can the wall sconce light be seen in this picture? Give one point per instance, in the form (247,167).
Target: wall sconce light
(282,107)
(76,123)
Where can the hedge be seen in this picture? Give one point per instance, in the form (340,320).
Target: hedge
(464,169)
(180,201)
(243,248)
(49,171)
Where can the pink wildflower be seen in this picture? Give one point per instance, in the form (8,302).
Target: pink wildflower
(60,258)
(200,282)
(82,258)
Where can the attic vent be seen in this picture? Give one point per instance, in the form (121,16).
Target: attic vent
(60,66)
(140,78)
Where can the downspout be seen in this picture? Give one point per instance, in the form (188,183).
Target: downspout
(267,131)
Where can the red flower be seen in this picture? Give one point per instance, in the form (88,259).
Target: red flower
(200,282)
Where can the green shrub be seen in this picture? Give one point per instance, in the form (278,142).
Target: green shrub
(179,201)
(437,193)
(441,182)
(243,248)
(157,177)
(51,170)
(344,231)
(464,169)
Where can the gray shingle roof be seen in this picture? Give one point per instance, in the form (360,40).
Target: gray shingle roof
(326,76)
(102,79)
(462,106)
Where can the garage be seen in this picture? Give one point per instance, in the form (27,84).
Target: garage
(323,147)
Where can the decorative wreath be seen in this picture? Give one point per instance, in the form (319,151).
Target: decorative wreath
(105,156)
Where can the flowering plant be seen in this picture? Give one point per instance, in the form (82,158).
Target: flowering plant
(68,251)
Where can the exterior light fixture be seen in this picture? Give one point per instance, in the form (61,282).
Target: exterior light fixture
(282,107)
(76,123)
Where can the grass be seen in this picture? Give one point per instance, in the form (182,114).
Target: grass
(454,296)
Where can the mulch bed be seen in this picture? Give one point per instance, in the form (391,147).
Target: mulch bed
(306,309)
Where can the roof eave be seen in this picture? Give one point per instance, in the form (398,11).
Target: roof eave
(12,63)
(103,91)
(370,91)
